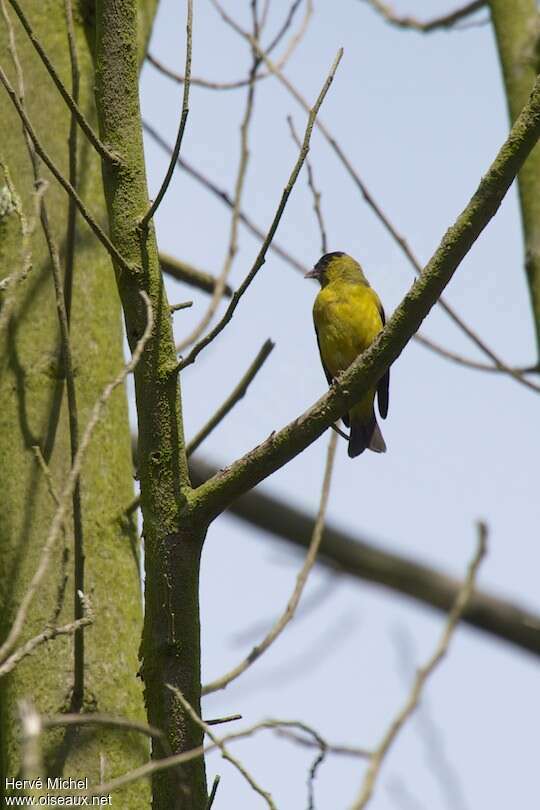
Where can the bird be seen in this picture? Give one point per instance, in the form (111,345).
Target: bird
(348,316)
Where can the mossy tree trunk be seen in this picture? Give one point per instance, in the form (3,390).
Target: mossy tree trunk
(170,649)
(517,30)
(33,411)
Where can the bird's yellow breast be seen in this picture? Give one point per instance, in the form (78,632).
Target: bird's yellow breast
(347,318)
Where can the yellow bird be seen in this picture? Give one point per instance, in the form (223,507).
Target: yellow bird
(348,316)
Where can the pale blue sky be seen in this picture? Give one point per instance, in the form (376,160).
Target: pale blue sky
(420,117)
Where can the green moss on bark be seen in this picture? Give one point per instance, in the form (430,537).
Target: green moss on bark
(170,649)
(517,32)
(33,411)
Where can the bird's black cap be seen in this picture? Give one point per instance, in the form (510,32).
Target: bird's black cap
(325,260)
(323,263)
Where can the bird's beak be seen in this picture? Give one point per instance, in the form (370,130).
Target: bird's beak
(313,274)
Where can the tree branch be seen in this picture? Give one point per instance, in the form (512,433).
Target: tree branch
(422,676)
(73,173)
(48,634)
(10,203)
(444,21)
(60,514)
(243,161)
(235,396)
(516,28)
(315,193)
(367,561)
(170,647)
(212,794)
(66,185)
(173,761)
(196,278)
(261,256)
(182,271)
(225,198)
(181,127)
(215,495)
(108,721)
(235,85)
(66,354)
(224,751)
(428,343)
(301,579)
(100,148)
(368,197)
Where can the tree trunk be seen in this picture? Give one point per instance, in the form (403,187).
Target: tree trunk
(171,642)
(517,32)
(33,411)
(171,657)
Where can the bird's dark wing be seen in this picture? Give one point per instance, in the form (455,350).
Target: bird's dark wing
(383,388)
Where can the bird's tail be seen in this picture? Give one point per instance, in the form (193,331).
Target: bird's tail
(365,435)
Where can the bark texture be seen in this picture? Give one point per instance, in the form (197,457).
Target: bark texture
(33,411)
(170,646)
(517,32)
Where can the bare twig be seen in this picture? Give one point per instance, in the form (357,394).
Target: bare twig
(213,792)
(9,283)
(466,361)
(316,741)
(66,354)
(183,120)
(264,14)
(36,449)
(422,675)
(156,765)
(211,498)
(311,603)
(66,185)
(100,148)
(499,364)
(182,271)
(217,721)
(261,257)
(225,753)
(443,770)
(234,397)
(108,721)
(314,191)
(181,305)
(235,85)
(26,228)
(377,210)
(48,634)
(285,27)
(73,180)
(444,21)
(366,559)
(65,553)
(147,770)
(288,614)
(65,496)
(227,200)
(238,191)
(67,358)
(62,585)
(11,204)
